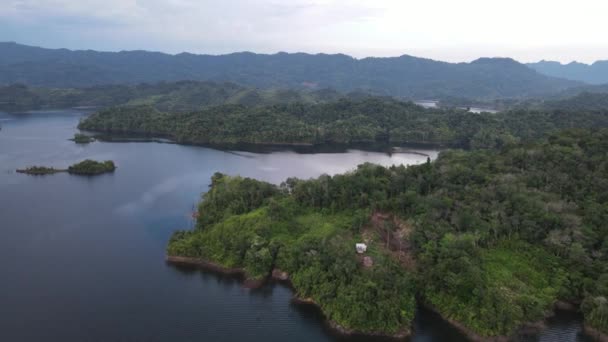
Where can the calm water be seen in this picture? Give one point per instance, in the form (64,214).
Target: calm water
(82,259)
(434,104)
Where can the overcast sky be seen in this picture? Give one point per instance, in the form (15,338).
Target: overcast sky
(454,30)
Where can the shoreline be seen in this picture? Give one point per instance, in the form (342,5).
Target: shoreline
(282,277)
(49,172)
(594,333)
(279,276)
(335,327)
(267,147)
(470,334)
(248,282)
(526,328)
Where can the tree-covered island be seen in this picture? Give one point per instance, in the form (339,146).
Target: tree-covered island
(90,167)
(86,167)
(80,138)
(40,170)
(490,239)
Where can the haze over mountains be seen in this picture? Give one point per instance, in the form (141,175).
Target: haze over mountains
(405,76)
(596,73)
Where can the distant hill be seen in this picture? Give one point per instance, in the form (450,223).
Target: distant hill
(596,73)
(405,76)
(585,101)
(179,96)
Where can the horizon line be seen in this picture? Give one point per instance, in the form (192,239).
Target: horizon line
(301,53)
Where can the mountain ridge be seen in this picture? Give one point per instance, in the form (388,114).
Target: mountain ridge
(404,76)
(594,73)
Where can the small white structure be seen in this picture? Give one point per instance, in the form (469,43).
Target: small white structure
(361,248)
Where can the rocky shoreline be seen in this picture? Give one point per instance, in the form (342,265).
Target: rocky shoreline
(283,277)
(279,276)
(595,333)
(248,282)
(528,328)
(473,336)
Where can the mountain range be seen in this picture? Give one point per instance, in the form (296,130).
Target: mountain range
(596,73)
(181,96)
(404,76)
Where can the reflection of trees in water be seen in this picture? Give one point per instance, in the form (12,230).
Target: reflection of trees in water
(207,275)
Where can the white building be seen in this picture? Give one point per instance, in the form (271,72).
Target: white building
(361,248)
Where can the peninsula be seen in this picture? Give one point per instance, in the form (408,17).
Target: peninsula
(370,120)
(491,240)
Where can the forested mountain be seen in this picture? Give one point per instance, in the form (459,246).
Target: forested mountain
(404,76)
(585,101)
(489,238)
(596,73)
(175,97)
(348,121)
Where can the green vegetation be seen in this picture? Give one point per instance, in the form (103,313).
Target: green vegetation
(512,284)
(257,226)
(80,138)
(39,170)
(180,96)
(346,121)
(490,238)
(90,167)
(86,167)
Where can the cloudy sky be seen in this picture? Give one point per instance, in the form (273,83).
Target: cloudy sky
(451,30)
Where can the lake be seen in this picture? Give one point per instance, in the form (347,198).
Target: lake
(435,104)
(83,259)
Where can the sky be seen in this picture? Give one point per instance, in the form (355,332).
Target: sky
(455,31)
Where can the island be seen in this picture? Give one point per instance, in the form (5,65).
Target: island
(90,167)
(492,240)
(39,170)
(85,168)
(80,138)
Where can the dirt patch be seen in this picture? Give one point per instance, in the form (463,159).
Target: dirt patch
(368,261)
(393,234)
(279,275)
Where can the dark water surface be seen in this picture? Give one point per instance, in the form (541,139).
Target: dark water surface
(82,259)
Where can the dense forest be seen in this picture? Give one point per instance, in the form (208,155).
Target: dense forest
(90,167)
(349,121)
(488,238)
(166,96)
(404,76)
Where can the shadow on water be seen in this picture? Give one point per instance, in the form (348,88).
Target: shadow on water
(563,326)
(427,326)
(262,148)
(206,274)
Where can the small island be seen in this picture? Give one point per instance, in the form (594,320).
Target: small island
(39,170)
(80,138)
(86,167)
(91,167)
